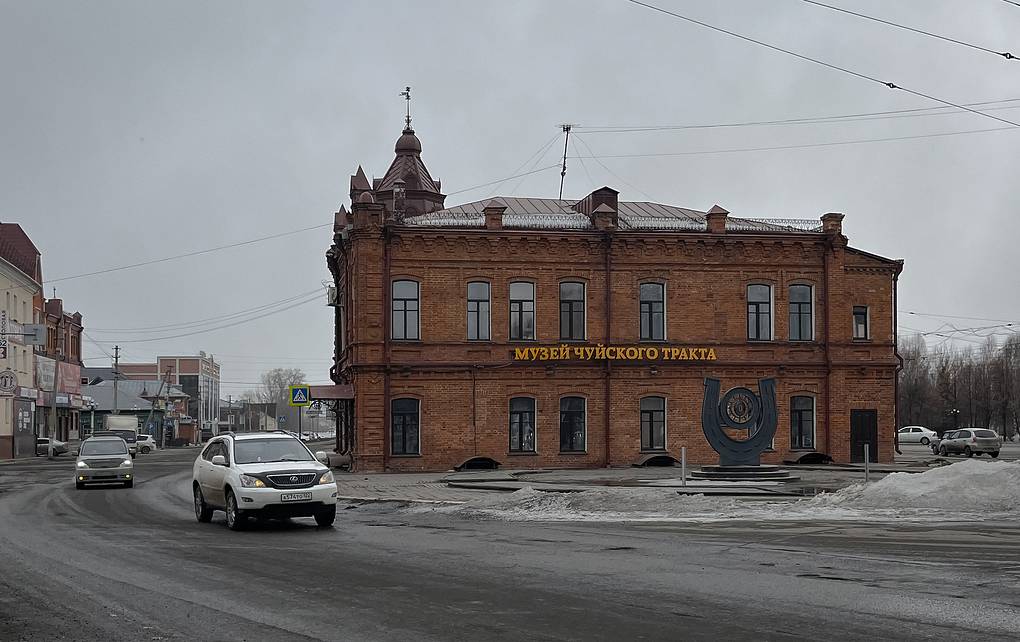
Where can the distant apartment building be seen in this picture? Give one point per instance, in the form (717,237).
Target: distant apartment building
(199,377)
(58,372)
(21,282)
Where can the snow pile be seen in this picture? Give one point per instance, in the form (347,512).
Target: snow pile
(602,504)
(966,486)
(967,490)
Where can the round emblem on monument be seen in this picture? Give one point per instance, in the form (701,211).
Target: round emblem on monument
(740,409)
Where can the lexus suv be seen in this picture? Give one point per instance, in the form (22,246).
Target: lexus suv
(266,475)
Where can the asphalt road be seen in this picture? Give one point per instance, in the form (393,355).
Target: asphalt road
(917,452)
(133,564)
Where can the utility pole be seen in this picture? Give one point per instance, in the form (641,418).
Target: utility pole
(56,378)
(116,377)
(563,172)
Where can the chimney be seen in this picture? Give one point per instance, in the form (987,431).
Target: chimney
(716,218)
(604,217)
(832,224)
(494,214)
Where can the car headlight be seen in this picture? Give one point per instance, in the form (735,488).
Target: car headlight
(82,464)
(247,481)
(126,463)
(327,478)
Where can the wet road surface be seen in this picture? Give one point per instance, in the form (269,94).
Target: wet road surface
(133,564)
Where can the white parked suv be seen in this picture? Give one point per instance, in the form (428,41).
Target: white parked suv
(262,474)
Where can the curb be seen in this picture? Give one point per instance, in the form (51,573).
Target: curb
(402,500)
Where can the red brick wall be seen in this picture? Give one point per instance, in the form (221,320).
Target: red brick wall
(706,277)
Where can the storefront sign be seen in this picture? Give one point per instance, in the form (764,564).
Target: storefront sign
(3,334)
(614,353)
(45,369)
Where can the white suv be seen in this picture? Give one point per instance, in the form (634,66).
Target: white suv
(146,444)
(263,474)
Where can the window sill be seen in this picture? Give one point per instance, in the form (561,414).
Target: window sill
(654,451)
(760,341)
(405,340)
(562,340)
(859,340)
(653,341)
(405,456)
(522,454)
(802,450)
(522,340)
(573,452)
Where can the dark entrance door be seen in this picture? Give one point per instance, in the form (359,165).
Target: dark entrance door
(863,430)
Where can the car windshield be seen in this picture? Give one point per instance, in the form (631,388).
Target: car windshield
(254,451)
(104,447)
(985,433)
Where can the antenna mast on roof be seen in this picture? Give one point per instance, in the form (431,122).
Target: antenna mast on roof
(563,172)
(407,96)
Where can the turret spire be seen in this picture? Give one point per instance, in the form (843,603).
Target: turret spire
(407,119)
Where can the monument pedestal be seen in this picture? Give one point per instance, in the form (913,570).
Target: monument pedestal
(743,473)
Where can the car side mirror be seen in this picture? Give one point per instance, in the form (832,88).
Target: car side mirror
(322,456)
(219,460)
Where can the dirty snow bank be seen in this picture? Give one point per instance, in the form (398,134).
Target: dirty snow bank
(969,485)
(965,490)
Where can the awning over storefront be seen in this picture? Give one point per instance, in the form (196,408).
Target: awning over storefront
(337,391)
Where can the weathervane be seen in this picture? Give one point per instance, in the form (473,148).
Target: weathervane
(407,96)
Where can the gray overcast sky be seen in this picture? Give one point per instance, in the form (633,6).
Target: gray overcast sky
(136,130)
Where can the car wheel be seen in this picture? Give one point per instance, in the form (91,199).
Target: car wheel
(145,450)
(326,516)
(203,512)
(942,451)
(235,518)
(967,451)
(129,484)
(994,455)
(925,441)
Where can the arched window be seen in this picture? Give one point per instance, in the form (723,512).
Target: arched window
(571,311)
(653,423)
(802,422)
(759,312)
(522,311)
(478,311)
(801,317)
(573,433)
(522,425)
(653,312)
(405,311)
(405,427)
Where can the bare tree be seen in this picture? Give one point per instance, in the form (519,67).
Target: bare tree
(276,383)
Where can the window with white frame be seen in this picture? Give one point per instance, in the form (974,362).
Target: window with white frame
(522,311)
(478,311)
(801,317)
(571,311)
(860,322)
(759,312)
(653,311)
(405,310)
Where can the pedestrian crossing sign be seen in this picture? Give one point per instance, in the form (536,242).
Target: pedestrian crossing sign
(299,395)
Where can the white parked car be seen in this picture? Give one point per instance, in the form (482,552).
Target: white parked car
(146,444)
(262,474)
(917,435)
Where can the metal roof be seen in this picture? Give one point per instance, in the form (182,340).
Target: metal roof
(551,213)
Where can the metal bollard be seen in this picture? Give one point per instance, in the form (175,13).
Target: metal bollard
(867,464)
(683,466)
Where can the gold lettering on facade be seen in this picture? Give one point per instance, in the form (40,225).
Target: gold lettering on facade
(602,352)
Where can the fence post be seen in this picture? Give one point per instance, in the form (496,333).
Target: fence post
(867,463)
(683,466)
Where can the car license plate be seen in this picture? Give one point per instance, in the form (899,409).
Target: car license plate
(295,497)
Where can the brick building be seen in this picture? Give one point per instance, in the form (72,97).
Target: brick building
(199,377)
(579,333)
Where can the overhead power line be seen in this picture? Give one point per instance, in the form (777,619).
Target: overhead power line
(1012,2)
(501,180)
(1005,54)
(188,254)
(220,327)
(216,319)
(845,70)
(951,316)
(858,141)
(807,120)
